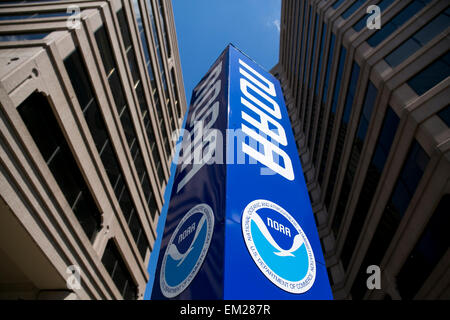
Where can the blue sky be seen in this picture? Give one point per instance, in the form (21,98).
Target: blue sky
(205,27)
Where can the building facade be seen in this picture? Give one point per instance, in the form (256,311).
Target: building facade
(90,94)
(370,113)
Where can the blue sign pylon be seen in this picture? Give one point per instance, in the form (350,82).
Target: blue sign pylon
(239,223)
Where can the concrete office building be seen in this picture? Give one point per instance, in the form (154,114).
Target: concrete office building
(370,112)
(88,104)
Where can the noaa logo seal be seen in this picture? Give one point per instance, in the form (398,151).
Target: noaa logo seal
(278,246)
(186,250)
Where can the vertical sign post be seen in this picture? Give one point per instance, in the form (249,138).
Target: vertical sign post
(240,223)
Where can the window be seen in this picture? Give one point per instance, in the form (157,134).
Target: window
(175,90)
(300,54)
(37,15)
(341,135)
(431,75)
(355,154)
(318,133)
(313,53)
(328,71)
(401,18)
(404,190)
(419,39)
(370,184)
(307,45)
(319,67)
(164,27)
(83,90)
(428,251)
(297,37)
(22,37)
(337,3)
(158,48)
(40,121)
(305,66)
(355,6)
(114,264)
(337,87)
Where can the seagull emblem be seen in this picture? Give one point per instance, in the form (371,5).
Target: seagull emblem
(173,250)
(298,240)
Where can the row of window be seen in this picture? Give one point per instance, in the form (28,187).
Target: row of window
(396,22)
(156,96)
(403,191)
(93,115)
(332,115)
(342,134)
(37,15)
(355,154)
(40,121)
(123,110)
(419,39)
(138,87)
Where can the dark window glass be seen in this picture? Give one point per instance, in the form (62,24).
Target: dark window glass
(337,3)
(328,70)
(124,29)
(337,84)
(175,90)
(370,184)
(21,37)
(431,75)
(155,92)
(297,37)
(402,17)
(308,32)
(37,15)
(355,6)
(355,154)
(313,53)
(428,251)
(157,47)
(164,27)
(40,121)
(341,137)
(404,190)
(337,87)
(114,264)
(419,39)
(319,66)
(318,133)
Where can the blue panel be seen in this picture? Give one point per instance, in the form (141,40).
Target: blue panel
(239,223)
(272,247)
(190,264)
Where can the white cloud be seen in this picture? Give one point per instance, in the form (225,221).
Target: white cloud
(276,22)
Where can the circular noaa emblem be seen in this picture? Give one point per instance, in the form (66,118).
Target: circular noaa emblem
(278,246)
(186,250)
